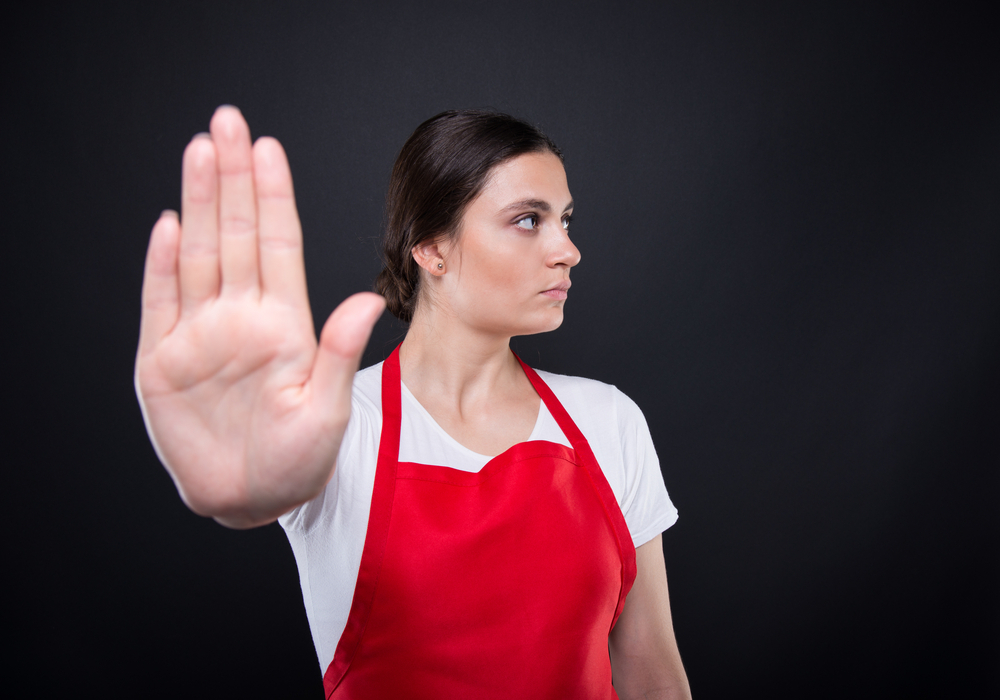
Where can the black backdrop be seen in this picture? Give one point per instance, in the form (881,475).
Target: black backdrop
(788,215)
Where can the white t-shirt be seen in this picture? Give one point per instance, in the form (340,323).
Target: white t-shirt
(327,534)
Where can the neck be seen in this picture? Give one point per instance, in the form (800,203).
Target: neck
(460,364)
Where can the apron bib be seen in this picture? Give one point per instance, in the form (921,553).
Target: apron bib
(499,584)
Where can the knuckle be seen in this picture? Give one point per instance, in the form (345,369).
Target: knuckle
(198,247)
(237,224)
(278,243)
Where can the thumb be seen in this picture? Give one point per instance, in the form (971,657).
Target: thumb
(343,340)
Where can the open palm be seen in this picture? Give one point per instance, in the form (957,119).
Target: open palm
(245,409)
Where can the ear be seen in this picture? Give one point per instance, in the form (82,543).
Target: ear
(429,256)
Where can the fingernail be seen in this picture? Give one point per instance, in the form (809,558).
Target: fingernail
(202,135)
(230,107)
(169,212)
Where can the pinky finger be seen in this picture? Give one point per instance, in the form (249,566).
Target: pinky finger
(160,301)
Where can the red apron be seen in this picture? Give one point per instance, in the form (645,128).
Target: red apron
(498,584)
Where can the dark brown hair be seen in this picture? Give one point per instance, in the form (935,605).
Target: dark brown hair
(442,167)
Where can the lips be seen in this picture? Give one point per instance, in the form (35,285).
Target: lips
(558,291)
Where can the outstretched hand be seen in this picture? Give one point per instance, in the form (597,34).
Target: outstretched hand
(243,406)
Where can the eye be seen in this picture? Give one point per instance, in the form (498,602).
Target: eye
(567,220)
(528,223)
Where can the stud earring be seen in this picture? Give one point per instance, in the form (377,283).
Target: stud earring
(440,266)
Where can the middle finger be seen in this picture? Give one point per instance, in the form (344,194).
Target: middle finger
(237,202)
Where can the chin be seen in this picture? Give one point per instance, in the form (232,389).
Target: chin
(543,323)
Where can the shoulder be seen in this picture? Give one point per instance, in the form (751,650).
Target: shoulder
(366,410)
(618,434)
(576,387)
(609,419)
(592,399)
(368,382)
(366,394)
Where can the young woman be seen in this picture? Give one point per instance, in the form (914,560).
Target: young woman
(463,526)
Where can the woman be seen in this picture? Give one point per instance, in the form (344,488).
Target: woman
(456,533)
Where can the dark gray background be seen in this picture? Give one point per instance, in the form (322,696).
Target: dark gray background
(788,214)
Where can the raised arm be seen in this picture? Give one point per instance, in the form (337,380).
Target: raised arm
(243,407)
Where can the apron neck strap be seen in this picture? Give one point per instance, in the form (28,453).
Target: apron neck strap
(392,410)
(566,423)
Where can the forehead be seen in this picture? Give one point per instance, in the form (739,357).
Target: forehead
(530,176)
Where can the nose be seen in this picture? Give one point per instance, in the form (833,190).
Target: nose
(564,251)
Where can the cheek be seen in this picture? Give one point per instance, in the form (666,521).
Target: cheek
(500,265)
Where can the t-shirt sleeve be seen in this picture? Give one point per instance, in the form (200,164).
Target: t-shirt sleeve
(645,504)
(360,429)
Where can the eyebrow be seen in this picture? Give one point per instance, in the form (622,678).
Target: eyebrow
(533,204)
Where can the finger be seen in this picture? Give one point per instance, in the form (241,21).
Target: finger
(237,203)
(160,299)
(342,341)
(199,238)
(282,270)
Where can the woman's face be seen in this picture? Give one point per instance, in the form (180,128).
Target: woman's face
(507,270)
